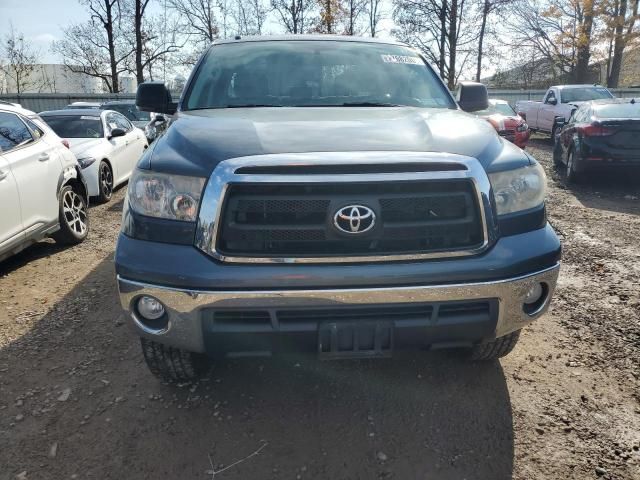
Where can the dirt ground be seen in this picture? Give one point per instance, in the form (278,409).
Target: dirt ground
(76,400)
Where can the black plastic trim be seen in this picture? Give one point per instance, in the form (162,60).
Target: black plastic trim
(159,230)
(522,222)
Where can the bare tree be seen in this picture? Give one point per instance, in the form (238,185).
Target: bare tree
(18,60)
(487,8)
(620,17)
(100,48)
(442,29)
(354,9)
(199,18)
(331,14)
(249,16)
(293,14)
(374,13)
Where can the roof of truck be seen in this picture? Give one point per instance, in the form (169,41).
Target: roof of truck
(576,85)
(322,37)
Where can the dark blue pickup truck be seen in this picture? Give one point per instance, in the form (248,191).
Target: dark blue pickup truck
(329,195)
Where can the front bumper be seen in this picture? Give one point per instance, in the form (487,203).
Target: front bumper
(187,309)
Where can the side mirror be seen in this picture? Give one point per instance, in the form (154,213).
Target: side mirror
(117,132)
(560,121)
(154,97)
(159,119)
(552,101)
(472,96)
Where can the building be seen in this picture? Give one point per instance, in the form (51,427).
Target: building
(58,78)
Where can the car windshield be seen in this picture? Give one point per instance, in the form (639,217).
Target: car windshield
(584,94)
(618,110)
(314,73)
(81,126)
(129,110)
(497,108)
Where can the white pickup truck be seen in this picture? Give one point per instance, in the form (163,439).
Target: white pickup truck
(559,101)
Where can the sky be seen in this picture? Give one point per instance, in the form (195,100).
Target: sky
(42,21)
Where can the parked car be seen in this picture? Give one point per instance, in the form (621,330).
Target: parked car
(599,135)
(106,144)
(327,194)
(506,121)
(559,101)
(82,105)
(42,192)
(143,120)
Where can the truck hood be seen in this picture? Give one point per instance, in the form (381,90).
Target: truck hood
(197,141)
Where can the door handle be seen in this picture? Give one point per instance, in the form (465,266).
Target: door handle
(3,174)
(43,157)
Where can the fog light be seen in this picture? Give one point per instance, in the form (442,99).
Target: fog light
(150,308)
(533,294)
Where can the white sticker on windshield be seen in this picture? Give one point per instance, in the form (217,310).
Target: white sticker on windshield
(401,59)
(84,117)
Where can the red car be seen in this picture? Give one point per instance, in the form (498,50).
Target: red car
(506,121)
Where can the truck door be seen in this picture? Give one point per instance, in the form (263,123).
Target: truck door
(548,110)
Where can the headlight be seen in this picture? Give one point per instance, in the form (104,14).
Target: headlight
(519,189)
(522,128)
(85,162)
(175,197)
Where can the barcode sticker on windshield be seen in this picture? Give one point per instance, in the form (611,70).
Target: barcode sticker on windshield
(401,59)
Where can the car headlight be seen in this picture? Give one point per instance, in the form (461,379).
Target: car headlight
(85,162)
(522,127)
(519,189)
(175,197)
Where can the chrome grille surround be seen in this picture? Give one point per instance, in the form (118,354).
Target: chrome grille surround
(225,174)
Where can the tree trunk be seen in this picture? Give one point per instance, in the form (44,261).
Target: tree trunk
(138,30)
(584,44)
(114,87)
(443,38)
(485,13)
(453,43)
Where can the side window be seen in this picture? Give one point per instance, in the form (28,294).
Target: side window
(551,95)
(111,121)
(122,122)
(35,130)
(13,132)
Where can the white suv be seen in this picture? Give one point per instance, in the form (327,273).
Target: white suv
(42,192)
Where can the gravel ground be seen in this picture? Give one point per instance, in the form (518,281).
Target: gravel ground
(76,400)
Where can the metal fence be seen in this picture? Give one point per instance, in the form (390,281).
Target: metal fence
(39,102)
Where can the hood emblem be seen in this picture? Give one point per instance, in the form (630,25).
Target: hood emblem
(354,219)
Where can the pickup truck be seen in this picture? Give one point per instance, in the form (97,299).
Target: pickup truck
(558,102)
(328,194)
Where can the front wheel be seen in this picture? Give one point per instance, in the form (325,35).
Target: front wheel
(173,364)
(105,182)
(73,218)
(495,349)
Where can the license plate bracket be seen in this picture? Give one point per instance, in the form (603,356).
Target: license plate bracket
(360,339)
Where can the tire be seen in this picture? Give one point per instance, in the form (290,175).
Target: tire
(553,135)
(105,182)
(73,217)
(495,349)
(174,365)
(557,155)
(572,175)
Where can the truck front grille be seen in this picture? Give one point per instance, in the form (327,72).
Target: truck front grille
(297,220)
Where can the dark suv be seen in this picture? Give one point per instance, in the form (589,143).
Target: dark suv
(328,194)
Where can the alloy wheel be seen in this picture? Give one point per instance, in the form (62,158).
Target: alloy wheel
(106,180)
(75,212)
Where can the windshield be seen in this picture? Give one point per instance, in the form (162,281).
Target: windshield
(82,126)
(314,73)
(584,94)
(618,110)
(129,110)
(500,108)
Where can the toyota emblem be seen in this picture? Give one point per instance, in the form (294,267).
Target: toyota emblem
(354,219)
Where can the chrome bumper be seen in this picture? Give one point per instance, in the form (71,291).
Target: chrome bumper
(185,323)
